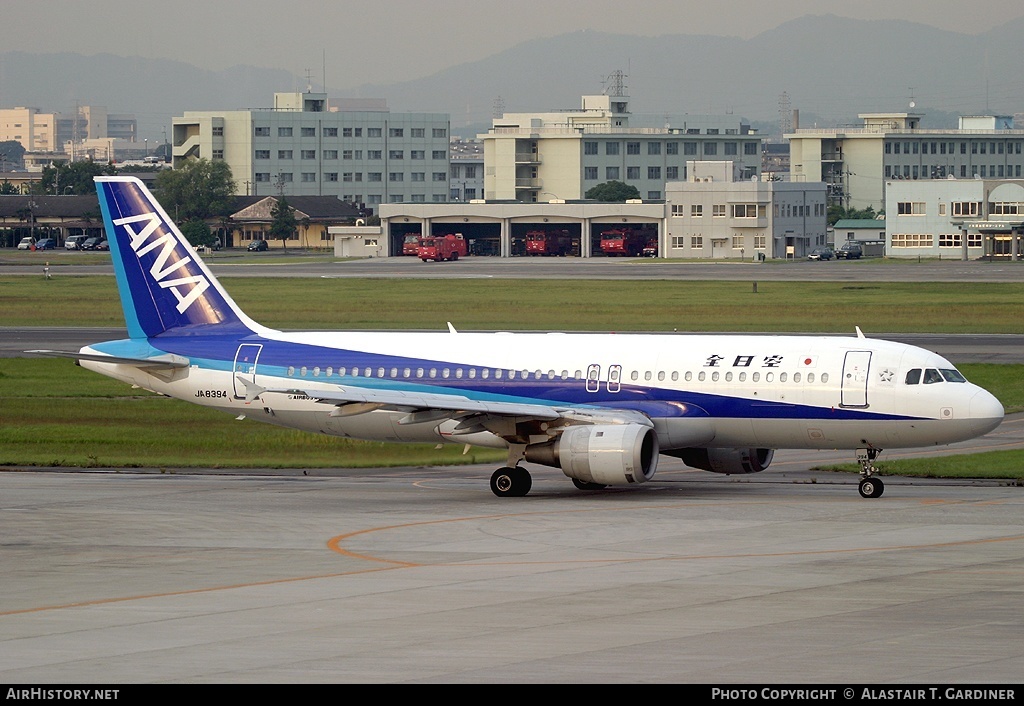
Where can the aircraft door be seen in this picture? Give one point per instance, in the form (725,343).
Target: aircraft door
(245,367)
(614,377)
(593,378)
(854,391)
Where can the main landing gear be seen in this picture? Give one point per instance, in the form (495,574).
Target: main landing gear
(870,487)
(515,482)
(511,482)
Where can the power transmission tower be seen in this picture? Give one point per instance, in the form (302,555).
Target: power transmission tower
(785,114)
(615,84)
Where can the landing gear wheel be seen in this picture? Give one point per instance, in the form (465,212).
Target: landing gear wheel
(583,485)
(511,482)
(871,488)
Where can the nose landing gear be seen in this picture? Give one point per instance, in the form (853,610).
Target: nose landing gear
(870,487)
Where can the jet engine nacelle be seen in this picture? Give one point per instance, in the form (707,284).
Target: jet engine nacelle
(609,454)
(728,461)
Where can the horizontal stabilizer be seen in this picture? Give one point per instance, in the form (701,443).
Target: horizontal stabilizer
(167,361)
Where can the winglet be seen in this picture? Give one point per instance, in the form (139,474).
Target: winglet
(451,329)
(860,334)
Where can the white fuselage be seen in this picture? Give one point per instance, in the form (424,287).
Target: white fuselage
(698,390)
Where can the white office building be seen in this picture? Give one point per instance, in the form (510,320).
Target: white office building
(360,152)
(533,157)
(857,163)
(718,214)
(956,219)
(89,133)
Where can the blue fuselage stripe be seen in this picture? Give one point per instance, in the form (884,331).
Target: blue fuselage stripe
(304,364)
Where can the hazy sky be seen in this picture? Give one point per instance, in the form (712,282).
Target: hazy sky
(397,40)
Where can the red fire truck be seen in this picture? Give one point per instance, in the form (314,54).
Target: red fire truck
(551,242)
(624,241)
(411,244)
(442,247)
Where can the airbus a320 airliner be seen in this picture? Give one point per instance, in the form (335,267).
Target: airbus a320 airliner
(600,407)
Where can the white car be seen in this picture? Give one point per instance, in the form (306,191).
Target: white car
(26,243)
(74,242)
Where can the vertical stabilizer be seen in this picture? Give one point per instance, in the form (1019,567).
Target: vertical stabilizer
(162,282)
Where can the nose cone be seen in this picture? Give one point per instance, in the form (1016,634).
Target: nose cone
(985,411)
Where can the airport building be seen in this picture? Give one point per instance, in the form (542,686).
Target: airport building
(357,151)
(535,157)
(868,233)
(718,214)
(857,163)
(955,218)
(714,214)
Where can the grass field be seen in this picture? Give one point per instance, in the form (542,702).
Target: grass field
(569,305)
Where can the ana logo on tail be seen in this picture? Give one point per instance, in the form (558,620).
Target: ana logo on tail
(185,289)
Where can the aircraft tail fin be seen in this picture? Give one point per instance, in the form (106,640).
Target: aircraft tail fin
(163,284)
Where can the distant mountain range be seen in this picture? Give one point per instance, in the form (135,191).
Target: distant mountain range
(829,68)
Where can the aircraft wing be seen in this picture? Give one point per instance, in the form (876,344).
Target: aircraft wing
(168,361)
(426,406)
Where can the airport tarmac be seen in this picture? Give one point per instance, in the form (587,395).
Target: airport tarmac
(421,575)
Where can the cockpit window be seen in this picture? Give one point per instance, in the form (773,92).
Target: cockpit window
(914,376)
(952,375)
(931,375)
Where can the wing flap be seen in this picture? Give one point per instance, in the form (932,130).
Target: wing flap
(424,406)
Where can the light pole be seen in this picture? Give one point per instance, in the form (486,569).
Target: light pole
(146,143)
(32,220)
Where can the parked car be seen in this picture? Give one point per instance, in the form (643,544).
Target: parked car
(821,254)
(74,242)
(26,243)
(90,243)
(46,244)
(849,251)
(102,245)
(258,246)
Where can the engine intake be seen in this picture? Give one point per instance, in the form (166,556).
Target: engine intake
(728,461)
(609,454)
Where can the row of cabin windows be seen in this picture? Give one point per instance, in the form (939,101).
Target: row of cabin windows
(433,373)
(499,374)
(715,376)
